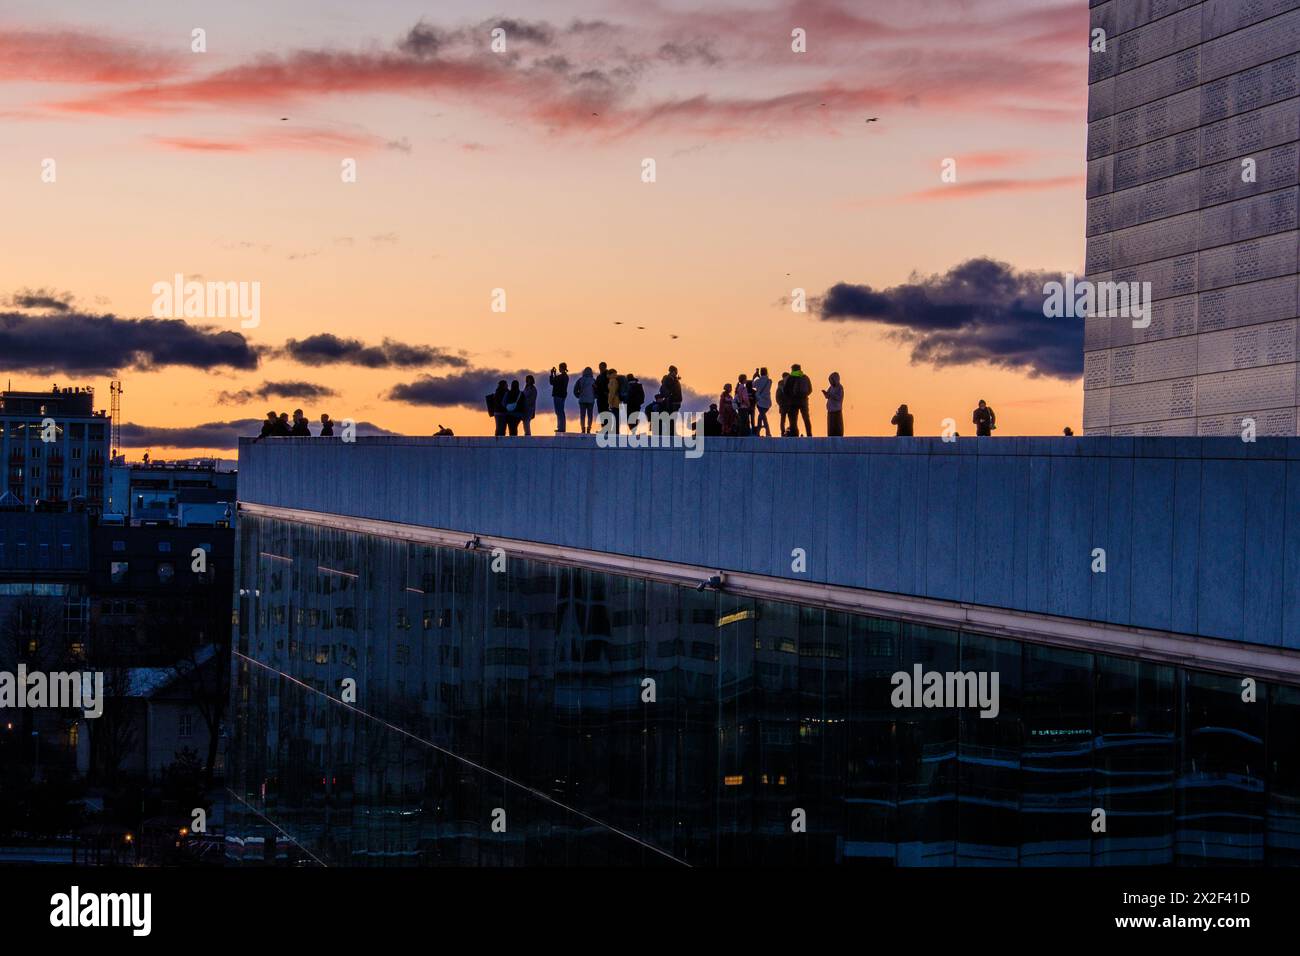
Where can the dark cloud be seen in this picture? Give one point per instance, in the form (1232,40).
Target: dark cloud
(78,342)
(329,349)
(979,311)
(214,434)
(45,299)
(534,31)
(691,51)
(423,41)
(467,388)
(307,390)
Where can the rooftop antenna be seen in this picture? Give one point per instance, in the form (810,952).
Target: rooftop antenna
(115,422)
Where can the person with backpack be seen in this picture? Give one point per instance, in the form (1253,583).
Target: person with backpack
(584,390)
(513,407)
(559,395)
(985,421)
(497,408)
(634,399)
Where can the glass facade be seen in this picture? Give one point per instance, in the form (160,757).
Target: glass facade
(543,714)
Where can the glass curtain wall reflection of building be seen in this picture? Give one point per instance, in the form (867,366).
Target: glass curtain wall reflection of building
(401,705)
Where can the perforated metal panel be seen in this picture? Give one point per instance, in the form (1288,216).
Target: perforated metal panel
(1193,186)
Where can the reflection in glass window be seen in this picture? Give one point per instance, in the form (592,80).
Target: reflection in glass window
(625,721)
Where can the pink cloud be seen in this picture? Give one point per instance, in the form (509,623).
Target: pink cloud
(984,187)
(70,56)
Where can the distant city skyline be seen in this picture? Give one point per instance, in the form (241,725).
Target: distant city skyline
(522,171)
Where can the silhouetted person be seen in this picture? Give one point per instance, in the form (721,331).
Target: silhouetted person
(530,403)
(635,399)
(712,427)
(727,411)
(797,391)
(559,395)
(326,426)
(783,402)
(903,419)
(762,401)
(744,405)
(269,425)
(613,398)
(834,407)
(671,386)
(497,407)
(1069,432)
(985,421)
(602,389)
(514,407)
(299,428)
(282,427)
(444,432)
(584,390)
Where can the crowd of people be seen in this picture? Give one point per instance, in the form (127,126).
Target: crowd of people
(278,425)
(741,410)
(607,390)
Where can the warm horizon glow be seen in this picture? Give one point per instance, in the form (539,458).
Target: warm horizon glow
(522,171)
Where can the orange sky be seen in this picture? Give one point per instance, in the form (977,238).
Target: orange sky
(477,172)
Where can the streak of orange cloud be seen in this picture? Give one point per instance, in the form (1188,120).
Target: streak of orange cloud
(984,187)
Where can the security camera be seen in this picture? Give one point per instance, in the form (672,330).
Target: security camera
(714,582)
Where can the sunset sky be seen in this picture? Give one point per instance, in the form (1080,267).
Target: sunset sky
(522,171)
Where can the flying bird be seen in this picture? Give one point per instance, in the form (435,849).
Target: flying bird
(872,119)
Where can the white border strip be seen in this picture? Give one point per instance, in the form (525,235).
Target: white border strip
(1188,650)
